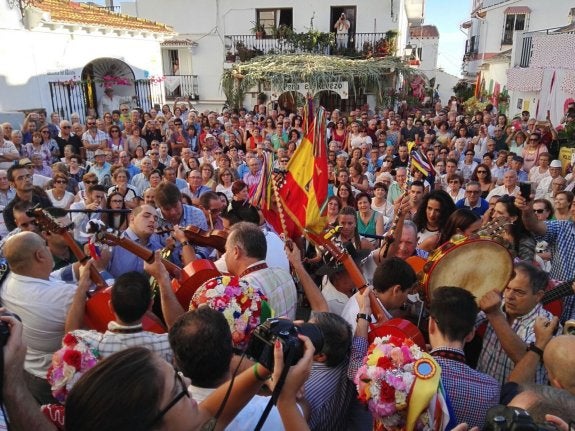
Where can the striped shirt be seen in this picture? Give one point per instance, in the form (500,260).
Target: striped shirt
(494,361)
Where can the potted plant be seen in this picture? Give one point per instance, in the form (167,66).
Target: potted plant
(258,29)
(230,57)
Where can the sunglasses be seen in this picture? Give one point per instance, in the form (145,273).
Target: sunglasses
(61,182)
(539,211)
(91,182)
(66,127)
(154,154)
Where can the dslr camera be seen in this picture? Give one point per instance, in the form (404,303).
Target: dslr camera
(503,418)
(261,345)
(5,329)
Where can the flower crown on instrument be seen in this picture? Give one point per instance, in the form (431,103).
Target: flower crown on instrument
(243,306)
(397,381)
(69,364)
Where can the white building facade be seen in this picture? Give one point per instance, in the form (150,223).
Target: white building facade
(496,31)
(57,54)
(208,32)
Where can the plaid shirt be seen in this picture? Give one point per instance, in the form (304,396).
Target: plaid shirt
(278,286)
(561,239)
(111,342)
(494,361)
(470,392)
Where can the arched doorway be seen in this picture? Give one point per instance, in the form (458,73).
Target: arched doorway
(107,72)
(290,100)
(330,100)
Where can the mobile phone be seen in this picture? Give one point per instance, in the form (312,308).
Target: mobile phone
(525,190)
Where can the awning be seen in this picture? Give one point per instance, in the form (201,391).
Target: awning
(517,10)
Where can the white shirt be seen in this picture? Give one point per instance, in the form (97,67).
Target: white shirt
(335,299)
(501,191)
(351,310)
(42,305)
(248,417)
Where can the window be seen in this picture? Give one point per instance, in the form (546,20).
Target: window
(513,22)
(273,18)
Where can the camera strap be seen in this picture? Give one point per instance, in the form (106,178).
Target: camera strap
(277,390)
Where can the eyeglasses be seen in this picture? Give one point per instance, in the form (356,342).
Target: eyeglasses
(473,192)
(183,393)
(533,139)
(364,164)
(453,181)
(23,177)
(61,182)
(481,172)
(45,132)
(90,182)
(443,152)
(154,154)
(540,211)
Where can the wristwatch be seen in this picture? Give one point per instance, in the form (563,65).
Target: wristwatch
(363,316)
(185,243)
(533,348)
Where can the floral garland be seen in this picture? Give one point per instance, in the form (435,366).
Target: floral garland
(69,364)
(110,81)
(243,306)
(385,380)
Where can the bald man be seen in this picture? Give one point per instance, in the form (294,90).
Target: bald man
(558,359)
(41,299)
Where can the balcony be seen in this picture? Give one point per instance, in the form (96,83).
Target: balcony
(359,45)
(181,86)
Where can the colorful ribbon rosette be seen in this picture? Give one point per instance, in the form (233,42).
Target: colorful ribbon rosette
(401,386)
(243,306)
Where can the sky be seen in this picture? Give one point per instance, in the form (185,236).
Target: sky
(447,15)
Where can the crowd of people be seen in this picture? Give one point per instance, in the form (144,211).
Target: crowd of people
(400,186)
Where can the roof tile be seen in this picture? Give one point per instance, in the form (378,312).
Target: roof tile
(80,13)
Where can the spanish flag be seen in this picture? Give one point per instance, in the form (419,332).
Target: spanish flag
(303,194)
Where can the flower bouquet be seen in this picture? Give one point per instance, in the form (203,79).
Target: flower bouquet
(387,382)
(243,306)
(69,364)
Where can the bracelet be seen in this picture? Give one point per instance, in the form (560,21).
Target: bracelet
(533,348)
(260,378)
(185,243)
(363,316)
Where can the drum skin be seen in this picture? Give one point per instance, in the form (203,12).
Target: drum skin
(477,265)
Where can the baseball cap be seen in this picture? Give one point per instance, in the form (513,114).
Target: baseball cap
(23,162)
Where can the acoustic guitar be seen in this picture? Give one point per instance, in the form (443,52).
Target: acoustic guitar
(98,312)
(382,326)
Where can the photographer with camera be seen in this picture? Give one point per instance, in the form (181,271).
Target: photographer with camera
(21,407)
(342,28)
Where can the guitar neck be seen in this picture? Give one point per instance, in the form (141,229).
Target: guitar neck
(95,275)
(354,272)
(560,291)
(142,252)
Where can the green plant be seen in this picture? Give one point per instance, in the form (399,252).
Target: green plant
(312,41)
(473,104)
(258,27)
(282,32)
(463,90)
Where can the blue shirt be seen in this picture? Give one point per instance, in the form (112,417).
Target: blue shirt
(123,261)
(133,170)
(480,209)
(190,216)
